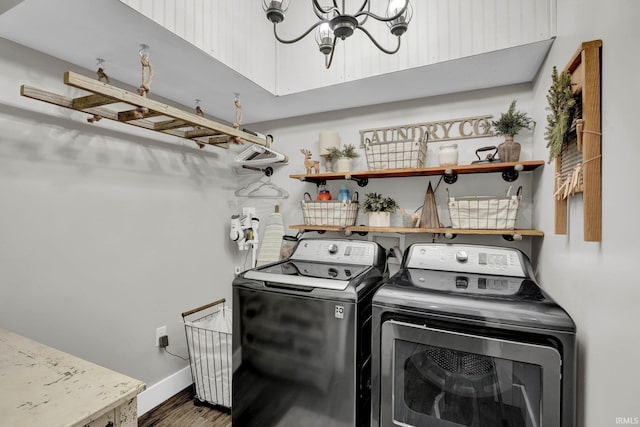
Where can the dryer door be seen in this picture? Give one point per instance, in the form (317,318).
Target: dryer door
(439,378)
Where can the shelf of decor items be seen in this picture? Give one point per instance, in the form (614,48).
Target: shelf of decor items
(509,172)
(414,230)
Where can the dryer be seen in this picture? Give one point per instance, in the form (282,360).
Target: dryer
(464,336)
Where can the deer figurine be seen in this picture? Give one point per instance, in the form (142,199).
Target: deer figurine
(311,165)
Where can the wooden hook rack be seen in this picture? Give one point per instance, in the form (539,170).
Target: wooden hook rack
(141,112)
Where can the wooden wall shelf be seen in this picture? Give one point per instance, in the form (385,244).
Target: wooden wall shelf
(362,177)
(404,230)
(107,101)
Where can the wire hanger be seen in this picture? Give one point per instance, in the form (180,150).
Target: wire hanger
(256,189)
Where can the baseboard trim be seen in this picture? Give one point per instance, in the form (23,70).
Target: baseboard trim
(157,393)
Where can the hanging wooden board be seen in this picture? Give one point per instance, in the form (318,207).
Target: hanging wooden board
(584,68)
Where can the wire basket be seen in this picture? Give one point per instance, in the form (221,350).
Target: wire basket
(401,154)
(484,212)
(329,212)
(208,330)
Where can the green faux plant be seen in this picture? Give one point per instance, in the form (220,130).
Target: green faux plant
(374,202)
(333,153)
(349,151)
(562,107)
(511,122)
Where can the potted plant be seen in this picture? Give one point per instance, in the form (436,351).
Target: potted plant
(509,124)
(379,209)
(562,105)
(343,163)
(332,153)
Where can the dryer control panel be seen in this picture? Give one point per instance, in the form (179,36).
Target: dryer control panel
(467,258)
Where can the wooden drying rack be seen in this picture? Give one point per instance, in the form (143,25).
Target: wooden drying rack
(157,116)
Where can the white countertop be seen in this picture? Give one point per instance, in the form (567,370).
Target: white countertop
(41,386)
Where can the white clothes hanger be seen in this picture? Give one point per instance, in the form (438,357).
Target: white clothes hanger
(258,155)
(262,189)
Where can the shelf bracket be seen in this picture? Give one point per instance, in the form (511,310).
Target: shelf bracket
(450,177)
(512,237)
(510,176)
(513,174)
(362,182)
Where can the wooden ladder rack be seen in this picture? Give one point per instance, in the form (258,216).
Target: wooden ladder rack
(141,112)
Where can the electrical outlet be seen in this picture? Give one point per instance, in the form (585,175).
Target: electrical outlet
(160,332)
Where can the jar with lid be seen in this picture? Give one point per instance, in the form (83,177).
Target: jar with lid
(448,155)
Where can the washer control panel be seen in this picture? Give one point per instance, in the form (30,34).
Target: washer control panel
(467,258)
(355,252)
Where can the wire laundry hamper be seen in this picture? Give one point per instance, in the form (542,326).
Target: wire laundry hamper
(208,330)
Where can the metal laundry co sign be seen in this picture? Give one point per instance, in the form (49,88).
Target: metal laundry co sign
(442,130)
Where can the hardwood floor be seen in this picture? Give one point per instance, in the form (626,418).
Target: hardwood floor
(180,411)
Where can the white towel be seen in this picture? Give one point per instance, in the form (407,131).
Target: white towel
(272,240)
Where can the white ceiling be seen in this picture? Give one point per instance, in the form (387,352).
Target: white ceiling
(79,31)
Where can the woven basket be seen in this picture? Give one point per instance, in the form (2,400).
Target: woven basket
(484,212)
(329,212)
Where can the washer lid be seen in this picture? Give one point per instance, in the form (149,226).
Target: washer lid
(308,274)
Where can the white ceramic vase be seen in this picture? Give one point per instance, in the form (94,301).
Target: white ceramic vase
(379,219)
(343,164)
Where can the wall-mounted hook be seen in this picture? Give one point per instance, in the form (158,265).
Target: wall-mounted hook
(144,50)
(268,171)
(102,76)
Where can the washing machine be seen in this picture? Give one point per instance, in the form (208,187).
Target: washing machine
(302,336)
(464,336)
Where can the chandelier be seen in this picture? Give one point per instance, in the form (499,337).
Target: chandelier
(334,22)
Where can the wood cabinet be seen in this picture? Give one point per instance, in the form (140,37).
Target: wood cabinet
(509,170)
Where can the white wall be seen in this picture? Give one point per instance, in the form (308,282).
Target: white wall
(294,134)
(106,231)
(597,282)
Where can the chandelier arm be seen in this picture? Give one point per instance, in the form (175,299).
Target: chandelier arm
(327,64)
(297,39)
(382,18)
(390,52)
(366,3)
(319,10)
